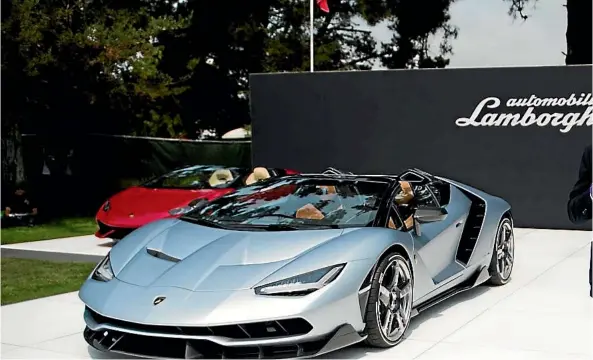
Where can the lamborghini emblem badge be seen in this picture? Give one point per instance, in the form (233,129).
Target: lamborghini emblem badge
(131,215)
(158,300)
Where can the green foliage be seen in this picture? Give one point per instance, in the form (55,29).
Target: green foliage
(164,68)
(414,25)
(28,279)
(227,41)
(125,52)
(56,229)
(161,125)
(107,59)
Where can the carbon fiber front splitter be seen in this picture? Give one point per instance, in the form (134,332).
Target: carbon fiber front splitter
(141,345)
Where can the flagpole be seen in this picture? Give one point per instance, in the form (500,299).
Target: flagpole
(311,38)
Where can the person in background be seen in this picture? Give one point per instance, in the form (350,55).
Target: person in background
(21,209)
(580,200)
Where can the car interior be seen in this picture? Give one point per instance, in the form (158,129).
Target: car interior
(417,191)
(223,177)
(309,211)
(220,177)
(403,200)
(258,174)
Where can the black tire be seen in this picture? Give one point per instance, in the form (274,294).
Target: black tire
(375,336)
(496,278)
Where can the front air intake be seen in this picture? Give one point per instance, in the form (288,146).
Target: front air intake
(161,255)
(256,330)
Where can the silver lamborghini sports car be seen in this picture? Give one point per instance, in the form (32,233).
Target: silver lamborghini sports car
(297,266)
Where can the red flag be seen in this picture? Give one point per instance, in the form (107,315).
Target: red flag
(323,5)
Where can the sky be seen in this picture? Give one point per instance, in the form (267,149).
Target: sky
(488,36)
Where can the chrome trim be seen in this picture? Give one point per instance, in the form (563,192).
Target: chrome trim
(362,291)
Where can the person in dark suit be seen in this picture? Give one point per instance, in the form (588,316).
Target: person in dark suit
(580,200)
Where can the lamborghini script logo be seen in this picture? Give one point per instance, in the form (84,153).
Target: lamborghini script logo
(563,113)
(158,300)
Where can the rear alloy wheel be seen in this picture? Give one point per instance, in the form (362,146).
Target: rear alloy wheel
(389,309)
(503,255)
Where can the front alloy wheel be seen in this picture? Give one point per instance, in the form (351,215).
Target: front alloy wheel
(390,303)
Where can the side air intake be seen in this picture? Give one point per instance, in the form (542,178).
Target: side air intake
(472,228)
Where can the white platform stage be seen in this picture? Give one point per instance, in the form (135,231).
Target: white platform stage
(77,248)
(545,312)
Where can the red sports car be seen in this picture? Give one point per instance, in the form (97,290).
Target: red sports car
(172,195)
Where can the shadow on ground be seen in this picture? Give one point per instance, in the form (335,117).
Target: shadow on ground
(359,351)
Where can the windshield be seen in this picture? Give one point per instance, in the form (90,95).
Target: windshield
(195,177)
(295,203)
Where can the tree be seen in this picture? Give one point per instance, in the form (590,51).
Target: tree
(578,32)
(414,24)
(343,42)
(76,66)
(227,41)
(578,28)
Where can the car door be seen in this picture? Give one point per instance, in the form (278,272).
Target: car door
(437,242)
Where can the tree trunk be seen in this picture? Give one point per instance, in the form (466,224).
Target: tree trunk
(13,166)
(578,32)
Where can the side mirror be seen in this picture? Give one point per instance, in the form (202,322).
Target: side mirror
(197,203)
(427,215)
(430,214)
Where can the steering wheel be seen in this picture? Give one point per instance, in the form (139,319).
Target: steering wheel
(422,194)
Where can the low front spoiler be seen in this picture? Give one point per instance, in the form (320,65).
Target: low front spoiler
(112,232)
(147,346)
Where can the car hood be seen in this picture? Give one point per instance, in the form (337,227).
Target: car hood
(141,201)
(200,258)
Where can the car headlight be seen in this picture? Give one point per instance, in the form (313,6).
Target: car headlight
(103,272)
(185,209)
(106,206)
(302,284)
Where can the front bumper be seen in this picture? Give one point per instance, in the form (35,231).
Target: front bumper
(280,339)
(123,318)
(112,232)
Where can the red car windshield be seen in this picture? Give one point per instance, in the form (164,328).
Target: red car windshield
(196,177)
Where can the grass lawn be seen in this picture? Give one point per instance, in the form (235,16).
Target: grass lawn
(26,279)
(51,230)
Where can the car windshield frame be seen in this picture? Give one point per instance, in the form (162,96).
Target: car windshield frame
(199,171)
(353,203)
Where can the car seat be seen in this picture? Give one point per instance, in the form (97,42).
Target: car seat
(220,177)
(406,193)
(327,189)
(258,174)
(391,224)
(309,212)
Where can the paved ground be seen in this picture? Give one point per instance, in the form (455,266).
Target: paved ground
(543,313)
(77,248)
